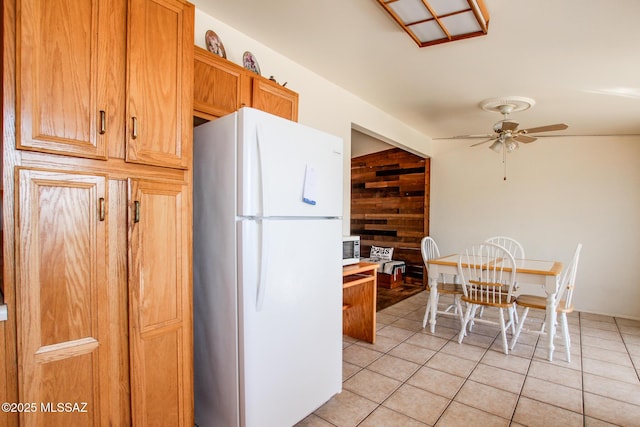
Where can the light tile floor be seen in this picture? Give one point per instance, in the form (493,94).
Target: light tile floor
(413,378)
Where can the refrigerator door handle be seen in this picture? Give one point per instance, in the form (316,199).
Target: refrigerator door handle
(264,264)
(264,197)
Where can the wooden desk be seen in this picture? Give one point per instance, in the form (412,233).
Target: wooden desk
(544,273)
(359,284)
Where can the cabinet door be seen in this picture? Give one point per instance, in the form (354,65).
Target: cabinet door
(274,99)
(217,85)
(159,82)
(67,94)
(160,304)
(61,297)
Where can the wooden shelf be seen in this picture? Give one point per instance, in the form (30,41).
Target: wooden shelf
(355,280)
(359,289)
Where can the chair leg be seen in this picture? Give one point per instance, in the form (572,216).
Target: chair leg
(515,314)
(514,340)
(463,329)
(473,316)
(511,310)
(459,312)
(565,333)
(426,313)
(503,330)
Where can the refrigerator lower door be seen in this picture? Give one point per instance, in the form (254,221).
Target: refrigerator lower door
(290,318)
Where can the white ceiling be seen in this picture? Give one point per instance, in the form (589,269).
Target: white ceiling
(578,59)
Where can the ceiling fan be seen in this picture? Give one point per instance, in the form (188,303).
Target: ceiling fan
(506,133)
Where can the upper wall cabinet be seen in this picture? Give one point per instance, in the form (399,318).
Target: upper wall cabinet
(97,80)
(160,56)
(221,87)
(271,97)
(67,94)
(217,86)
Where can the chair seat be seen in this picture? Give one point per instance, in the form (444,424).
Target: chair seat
(490,300)
(449,288)
(540,303)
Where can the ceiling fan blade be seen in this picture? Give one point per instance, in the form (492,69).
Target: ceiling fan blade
(509,125)
(469,136)
(559,126)
(482,142)
(524,138)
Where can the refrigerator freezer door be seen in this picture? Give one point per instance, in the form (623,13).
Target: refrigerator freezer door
(287,169)
(290,318)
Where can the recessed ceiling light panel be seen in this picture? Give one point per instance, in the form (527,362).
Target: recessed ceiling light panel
(430,22)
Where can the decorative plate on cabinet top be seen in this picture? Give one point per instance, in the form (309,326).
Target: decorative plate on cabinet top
(214,44)
(250,63)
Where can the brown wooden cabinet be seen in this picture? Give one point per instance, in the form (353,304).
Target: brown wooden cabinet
(273,98)
(71,100)
(64,103)
(359,289)
(217,88)
(221,87)
(97,210)
(159,76)
(160,306)
(62,294)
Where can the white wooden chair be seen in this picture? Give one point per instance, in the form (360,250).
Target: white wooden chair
(516,249)
(513,246)
(488,273)
(430,250)
(563,304)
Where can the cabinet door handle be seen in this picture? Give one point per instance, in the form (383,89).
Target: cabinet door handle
(102,208)
(134,132)
(136,211)
(103,122)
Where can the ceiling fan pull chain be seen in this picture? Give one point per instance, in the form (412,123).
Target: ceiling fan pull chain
(504,162)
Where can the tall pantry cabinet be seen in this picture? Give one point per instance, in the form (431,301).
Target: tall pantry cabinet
(97,155)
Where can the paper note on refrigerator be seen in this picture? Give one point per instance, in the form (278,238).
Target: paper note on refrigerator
(309,189)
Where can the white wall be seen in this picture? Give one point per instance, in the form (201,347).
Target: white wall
(362,144)
(558,192)
(322,104)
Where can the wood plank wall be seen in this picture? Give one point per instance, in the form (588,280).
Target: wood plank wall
(390,205)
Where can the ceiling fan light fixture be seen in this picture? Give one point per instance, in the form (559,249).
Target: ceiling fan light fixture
(430,22)
(496,146)
(511,145)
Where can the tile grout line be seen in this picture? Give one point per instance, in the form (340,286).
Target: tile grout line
(407,316)
(626,347)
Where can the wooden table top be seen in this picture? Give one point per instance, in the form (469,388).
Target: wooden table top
(529,266)
(360,267)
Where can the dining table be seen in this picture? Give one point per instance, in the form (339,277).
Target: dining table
(529,271)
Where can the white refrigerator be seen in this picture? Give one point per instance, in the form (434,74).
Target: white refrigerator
(267,270)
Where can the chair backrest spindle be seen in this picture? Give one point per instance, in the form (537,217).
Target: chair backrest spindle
(485,269)
(511,245)
(568,279)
